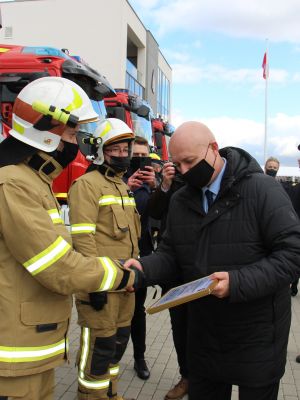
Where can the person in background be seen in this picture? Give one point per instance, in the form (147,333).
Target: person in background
(272,166)
(39,270)
(158,209)
(104,223)
(236,225)
(141,180)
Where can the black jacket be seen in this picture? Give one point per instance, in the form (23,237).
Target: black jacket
(252,232)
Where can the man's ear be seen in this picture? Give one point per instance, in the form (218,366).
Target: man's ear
(215,146)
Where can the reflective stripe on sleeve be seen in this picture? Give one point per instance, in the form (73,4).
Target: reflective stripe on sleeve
(27,354)
(108,200)
(47,257)
(83,228)
(55,216)
(114,370)
(101,384)
(109,274)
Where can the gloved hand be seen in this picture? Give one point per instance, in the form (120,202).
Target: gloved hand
(98,300)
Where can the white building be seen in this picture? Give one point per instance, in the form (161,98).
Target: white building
(107,34)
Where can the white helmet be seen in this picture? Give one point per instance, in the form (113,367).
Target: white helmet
(44,107)
(110,130)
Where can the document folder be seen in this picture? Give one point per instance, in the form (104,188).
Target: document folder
(183,294)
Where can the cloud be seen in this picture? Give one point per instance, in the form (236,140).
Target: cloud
(282,141)
(257,19)
(190,74)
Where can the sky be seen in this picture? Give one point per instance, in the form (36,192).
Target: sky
(216,49)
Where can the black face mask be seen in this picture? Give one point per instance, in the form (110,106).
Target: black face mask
(271,172)
(200,174)
(119,164)
(67,155)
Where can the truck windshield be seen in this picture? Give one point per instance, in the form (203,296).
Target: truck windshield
(142,127)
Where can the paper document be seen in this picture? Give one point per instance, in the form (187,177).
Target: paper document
(183,294)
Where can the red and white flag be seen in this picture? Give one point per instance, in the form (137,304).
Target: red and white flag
(265,66)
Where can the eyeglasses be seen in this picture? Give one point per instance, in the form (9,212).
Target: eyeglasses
(116,150)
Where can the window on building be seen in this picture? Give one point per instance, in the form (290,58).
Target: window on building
(163,96)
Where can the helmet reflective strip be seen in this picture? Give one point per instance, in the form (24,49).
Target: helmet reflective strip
(55,216)
(76,103)
(83,228)
(85,337)
(106,129)
(108,200)
(27,354)
(47,257)
(82,364)
(18,128)
(109,275)
(114,370)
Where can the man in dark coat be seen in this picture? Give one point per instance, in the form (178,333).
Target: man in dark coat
(235,223)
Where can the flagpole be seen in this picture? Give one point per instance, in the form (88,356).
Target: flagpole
(266,103)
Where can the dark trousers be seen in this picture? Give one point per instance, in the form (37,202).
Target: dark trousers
(138,325)
(205,389)
(179,321)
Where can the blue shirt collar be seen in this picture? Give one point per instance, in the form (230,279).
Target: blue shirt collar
(214,187)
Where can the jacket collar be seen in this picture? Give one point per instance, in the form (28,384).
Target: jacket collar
(45,166)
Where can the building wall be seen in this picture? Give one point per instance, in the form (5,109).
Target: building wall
(97,31)
(151,71)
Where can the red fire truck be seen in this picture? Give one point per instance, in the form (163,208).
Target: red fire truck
(137,113)
(133,110)
(20,65)
(162,131)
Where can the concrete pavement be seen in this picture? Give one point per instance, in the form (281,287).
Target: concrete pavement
(161,358)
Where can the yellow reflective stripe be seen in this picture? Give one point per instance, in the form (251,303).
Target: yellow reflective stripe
(85,337)
(128,201)
(61,195)
(109,274)
(83,228)
(3,50)
(55,216)
(114,370)
(18,128)
(76,103)
(108,200)
(103,384)
(94,384)
(27,354)
(47,257)
(106,129)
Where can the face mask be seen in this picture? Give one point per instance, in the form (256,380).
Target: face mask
(119,164)
(67,154)
(271,172)
(200,174)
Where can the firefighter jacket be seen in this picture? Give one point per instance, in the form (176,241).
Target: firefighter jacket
(39,270)
(106,220)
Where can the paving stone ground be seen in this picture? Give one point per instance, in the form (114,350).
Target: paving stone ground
(161,358)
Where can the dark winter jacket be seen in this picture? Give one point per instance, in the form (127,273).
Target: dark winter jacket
(253,232)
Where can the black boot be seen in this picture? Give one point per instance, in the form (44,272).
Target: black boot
(141,369)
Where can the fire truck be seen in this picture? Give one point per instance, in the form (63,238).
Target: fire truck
(19,65)
(133,110)
(137,113)
(162,132)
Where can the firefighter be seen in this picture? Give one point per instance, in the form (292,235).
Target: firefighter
(39,270)
(104,220)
